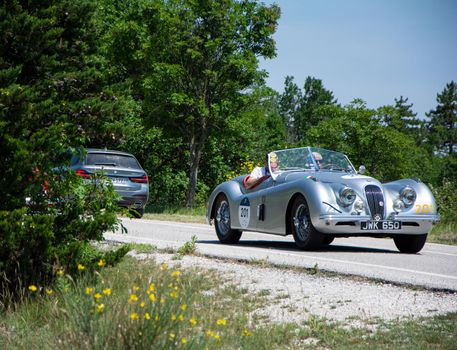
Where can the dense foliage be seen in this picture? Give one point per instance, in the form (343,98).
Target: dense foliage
(53,97)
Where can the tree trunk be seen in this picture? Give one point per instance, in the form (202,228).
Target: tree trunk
(196,149)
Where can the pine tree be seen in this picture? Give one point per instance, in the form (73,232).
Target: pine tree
(443,120)
(315,96)
(289,103)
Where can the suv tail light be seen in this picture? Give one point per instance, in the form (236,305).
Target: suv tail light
(141,180)
(84,174)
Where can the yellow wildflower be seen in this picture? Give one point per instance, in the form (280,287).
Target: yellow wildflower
(134,316)
(211,334)
(136,288)
(172,335)
(60,272)
(97,296)
(152,287)
(142,304)
(170,285)
(89,290)
(164,266)
(33,288)
(184,340)
(221,322)
(193,321)
(49,291)
(181,318)
(133,298)
(173,317)
(147,316)
(246,333)
(107,291)
(153,298)
(176,273)
(157,318)
(183,307)
(101,263)
(81,267)
(100,307)
(174,294)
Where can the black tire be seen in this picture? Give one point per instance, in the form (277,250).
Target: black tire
(137,212)
(327,240)
(410,244)
(305,235)
(224,232)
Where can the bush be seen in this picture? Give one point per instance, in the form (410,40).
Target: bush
(54,231)
(446,200)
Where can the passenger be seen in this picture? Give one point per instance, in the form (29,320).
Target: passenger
(260,174)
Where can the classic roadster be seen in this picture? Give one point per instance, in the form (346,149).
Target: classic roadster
(317,195)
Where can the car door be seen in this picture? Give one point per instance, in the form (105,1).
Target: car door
(256,199)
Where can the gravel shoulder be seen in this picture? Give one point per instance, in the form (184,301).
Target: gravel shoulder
(294,296)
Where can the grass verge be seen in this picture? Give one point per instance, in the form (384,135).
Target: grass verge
(141,304)
(193,215)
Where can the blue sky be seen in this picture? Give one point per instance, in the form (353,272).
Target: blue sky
(376,50)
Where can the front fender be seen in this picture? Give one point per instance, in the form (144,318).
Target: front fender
(232,190)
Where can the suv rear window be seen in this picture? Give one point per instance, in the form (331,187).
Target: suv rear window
(117,160)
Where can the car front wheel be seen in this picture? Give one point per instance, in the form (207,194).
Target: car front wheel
(224,232)
(305,235)
(410,244)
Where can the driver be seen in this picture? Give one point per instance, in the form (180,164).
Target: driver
(317,158)
(260,174)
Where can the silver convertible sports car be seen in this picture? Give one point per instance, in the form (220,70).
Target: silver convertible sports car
(317,195)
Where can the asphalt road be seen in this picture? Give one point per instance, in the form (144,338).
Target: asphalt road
(434,267)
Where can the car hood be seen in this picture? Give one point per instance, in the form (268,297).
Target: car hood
(355,181)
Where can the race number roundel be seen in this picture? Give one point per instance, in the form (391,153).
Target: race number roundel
(244,212)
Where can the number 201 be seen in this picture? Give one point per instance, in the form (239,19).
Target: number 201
(424,208)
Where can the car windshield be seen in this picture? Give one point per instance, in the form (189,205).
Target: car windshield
(308,158)
(114,160)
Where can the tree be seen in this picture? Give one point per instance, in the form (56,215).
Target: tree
(52,99)
(299,109)
(314,96)
(355,130)
(192,62)
(289,103)
(443,122)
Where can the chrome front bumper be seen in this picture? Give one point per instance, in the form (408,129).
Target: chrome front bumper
(351,224)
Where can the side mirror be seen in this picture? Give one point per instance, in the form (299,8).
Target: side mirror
(362,169)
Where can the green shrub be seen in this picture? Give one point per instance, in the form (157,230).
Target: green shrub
(55,232)
(446,200)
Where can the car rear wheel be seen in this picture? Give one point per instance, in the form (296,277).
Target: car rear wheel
(224,232)
(137,212)
(305,235)
(410,244)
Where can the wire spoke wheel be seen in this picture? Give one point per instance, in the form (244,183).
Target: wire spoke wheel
(223,218)
(224,230)
(305,235)
(301,223)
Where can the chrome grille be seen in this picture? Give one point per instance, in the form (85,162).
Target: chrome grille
(375,201)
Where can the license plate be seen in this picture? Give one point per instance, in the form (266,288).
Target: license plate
(380,225)
(119,180)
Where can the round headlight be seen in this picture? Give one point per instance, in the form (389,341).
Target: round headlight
(399,205)
(347,196)
(359,206)
(408,196)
